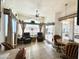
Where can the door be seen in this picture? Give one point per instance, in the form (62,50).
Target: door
(67,29)
(49,32)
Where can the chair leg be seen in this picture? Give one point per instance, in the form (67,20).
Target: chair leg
(63,57)
(58,50)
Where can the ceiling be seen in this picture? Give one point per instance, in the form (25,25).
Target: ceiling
(47,8)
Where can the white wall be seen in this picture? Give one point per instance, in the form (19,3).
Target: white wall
(2,37)
(57,24)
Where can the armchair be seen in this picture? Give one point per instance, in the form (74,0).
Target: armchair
(26,37)
(40,37)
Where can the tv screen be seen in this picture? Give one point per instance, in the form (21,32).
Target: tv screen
(78,13)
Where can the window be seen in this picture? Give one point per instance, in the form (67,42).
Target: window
(33,29)
(14,25)
(49,32)
(76,27)
(6,24)
(76,30)
(19,30)
(67,28)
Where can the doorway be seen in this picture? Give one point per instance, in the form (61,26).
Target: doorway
(49,32)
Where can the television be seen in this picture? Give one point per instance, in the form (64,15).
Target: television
(78,13)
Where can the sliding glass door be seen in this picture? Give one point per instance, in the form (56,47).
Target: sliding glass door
(6,25)
(70,29)
(14,29)
(76,30)
(0,21)
(49,32)
(67,29)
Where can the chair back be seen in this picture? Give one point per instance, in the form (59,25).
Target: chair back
(40,34)
(27,34)
(72,50)
(40,37)
(56,37)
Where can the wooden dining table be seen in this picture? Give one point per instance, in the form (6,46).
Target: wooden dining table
(64,41)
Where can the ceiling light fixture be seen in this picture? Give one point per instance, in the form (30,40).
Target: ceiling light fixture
(37,14)
(66,6)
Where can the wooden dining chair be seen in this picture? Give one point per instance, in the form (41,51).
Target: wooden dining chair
(56,44)
(71,51)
